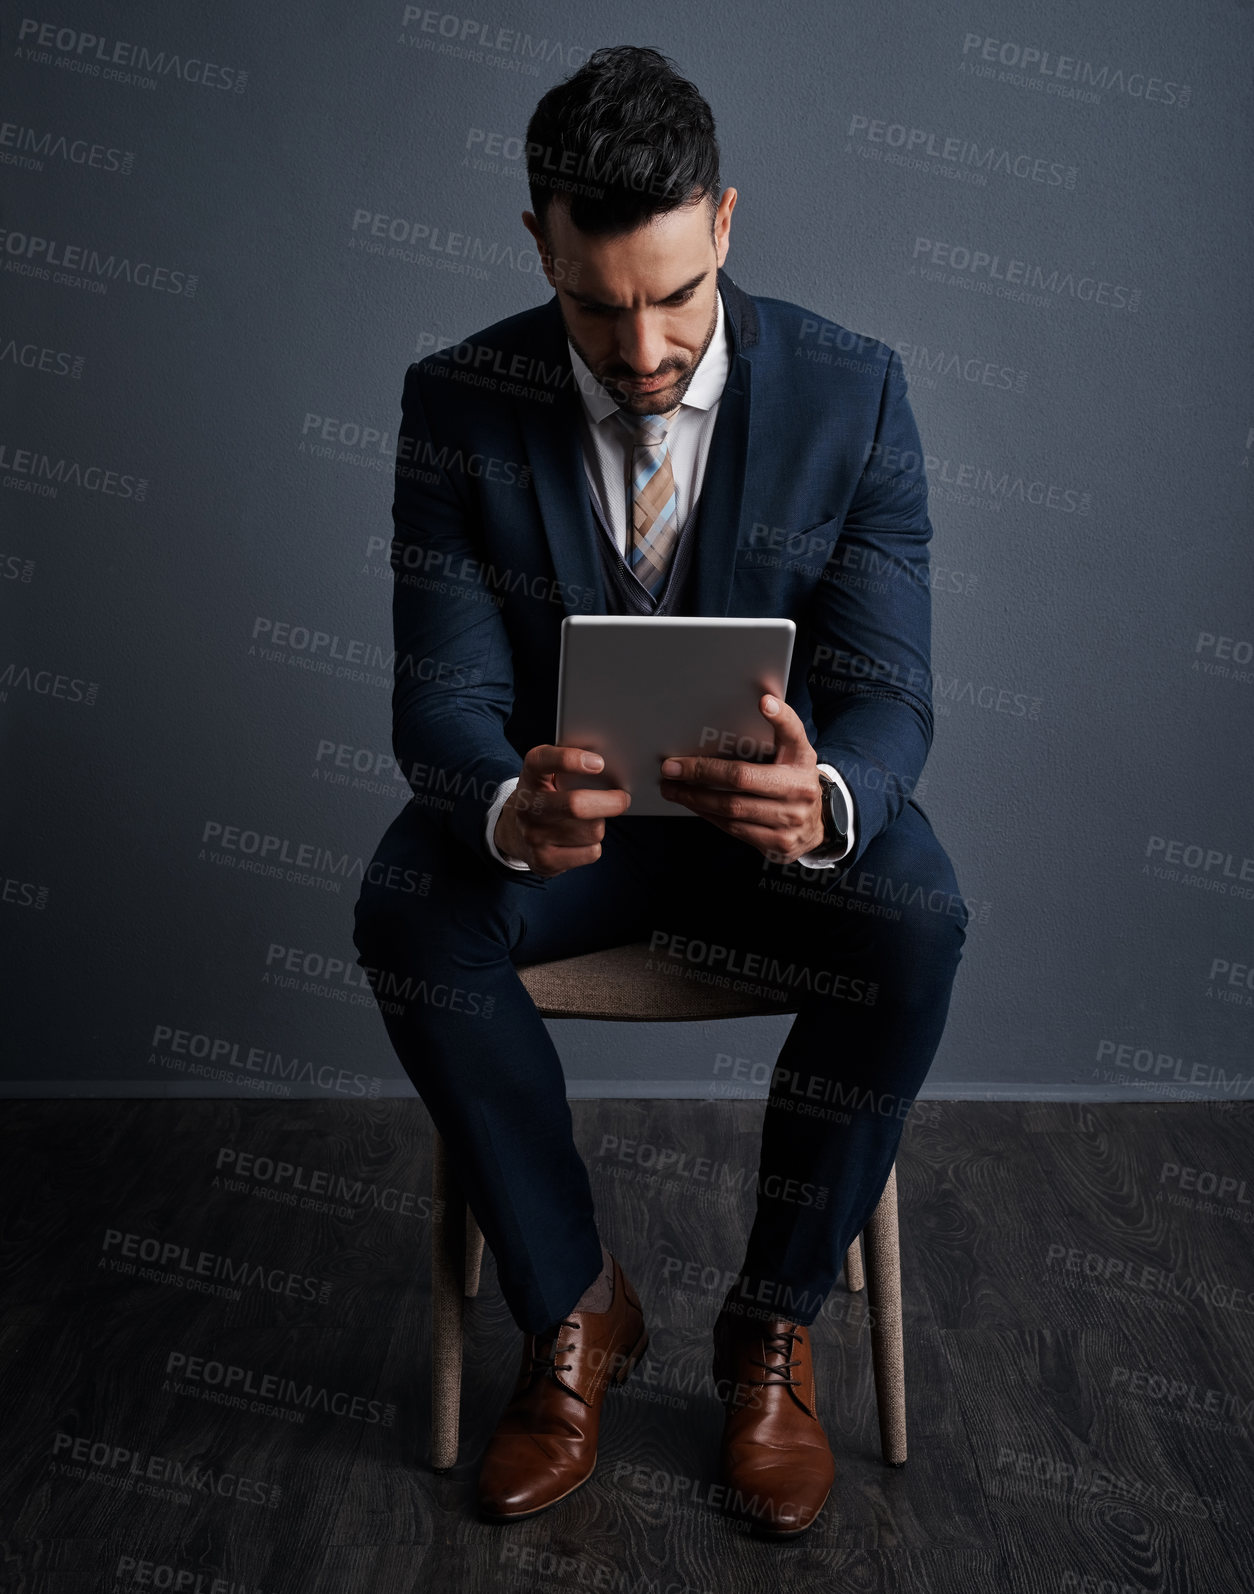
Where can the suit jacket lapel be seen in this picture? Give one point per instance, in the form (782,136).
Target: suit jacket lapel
(555,454)
(723,485)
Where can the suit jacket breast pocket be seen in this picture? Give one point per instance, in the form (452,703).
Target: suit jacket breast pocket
(785,560)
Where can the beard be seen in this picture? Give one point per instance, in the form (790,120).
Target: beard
(678,373)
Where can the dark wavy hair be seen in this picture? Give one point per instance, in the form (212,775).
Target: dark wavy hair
(623,139)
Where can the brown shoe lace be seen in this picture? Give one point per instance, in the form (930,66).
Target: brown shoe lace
(782,1343)
(547,1363)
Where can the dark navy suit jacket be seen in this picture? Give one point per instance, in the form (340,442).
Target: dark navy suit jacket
(813,506)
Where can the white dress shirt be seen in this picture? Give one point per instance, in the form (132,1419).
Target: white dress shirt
(607,449)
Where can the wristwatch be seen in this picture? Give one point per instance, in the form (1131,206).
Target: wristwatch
(835,818)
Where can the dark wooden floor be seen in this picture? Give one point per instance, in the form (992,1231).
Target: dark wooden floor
(1079,1357)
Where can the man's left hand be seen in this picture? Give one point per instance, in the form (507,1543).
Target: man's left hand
(776,808)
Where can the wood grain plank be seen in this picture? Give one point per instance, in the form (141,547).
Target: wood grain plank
(1004,1351)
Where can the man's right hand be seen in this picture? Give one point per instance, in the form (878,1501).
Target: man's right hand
(551,830)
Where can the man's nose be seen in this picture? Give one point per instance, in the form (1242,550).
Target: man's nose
(641,344)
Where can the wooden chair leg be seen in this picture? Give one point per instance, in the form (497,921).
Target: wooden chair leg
(450,1248)
(855,1278)
(883,1266)
(474,1253)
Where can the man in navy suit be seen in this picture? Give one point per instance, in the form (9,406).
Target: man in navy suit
(792,484)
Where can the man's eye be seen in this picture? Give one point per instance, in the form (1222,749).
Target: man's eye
(609,309)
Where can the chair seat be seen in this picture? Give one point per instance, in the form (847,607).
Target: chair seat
(630,983)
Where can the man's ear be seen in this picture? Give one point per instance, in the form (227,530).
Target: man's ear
(542,249)
(722,224)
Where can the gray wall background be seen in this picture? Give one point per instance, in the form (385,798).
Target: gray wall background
(198,453)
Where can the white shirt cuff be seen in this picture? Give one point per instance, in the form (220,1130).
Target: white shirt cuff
(825,857)
(494,813)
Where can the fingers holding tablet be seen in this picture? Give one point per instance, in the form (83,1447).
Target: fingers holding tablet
(775,807)
(551,821)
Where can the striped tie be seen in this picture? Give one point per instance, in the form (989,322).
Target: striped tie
(654,507)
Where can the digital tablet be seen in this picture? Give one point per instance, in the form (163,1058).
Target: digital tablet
(641,688)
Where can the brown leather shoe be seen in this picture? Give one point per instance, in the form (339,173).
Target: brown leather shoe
(775,1459)
(545,1444)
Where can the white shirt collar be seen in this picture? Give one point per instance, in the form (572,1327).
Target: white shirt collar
(704,391)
